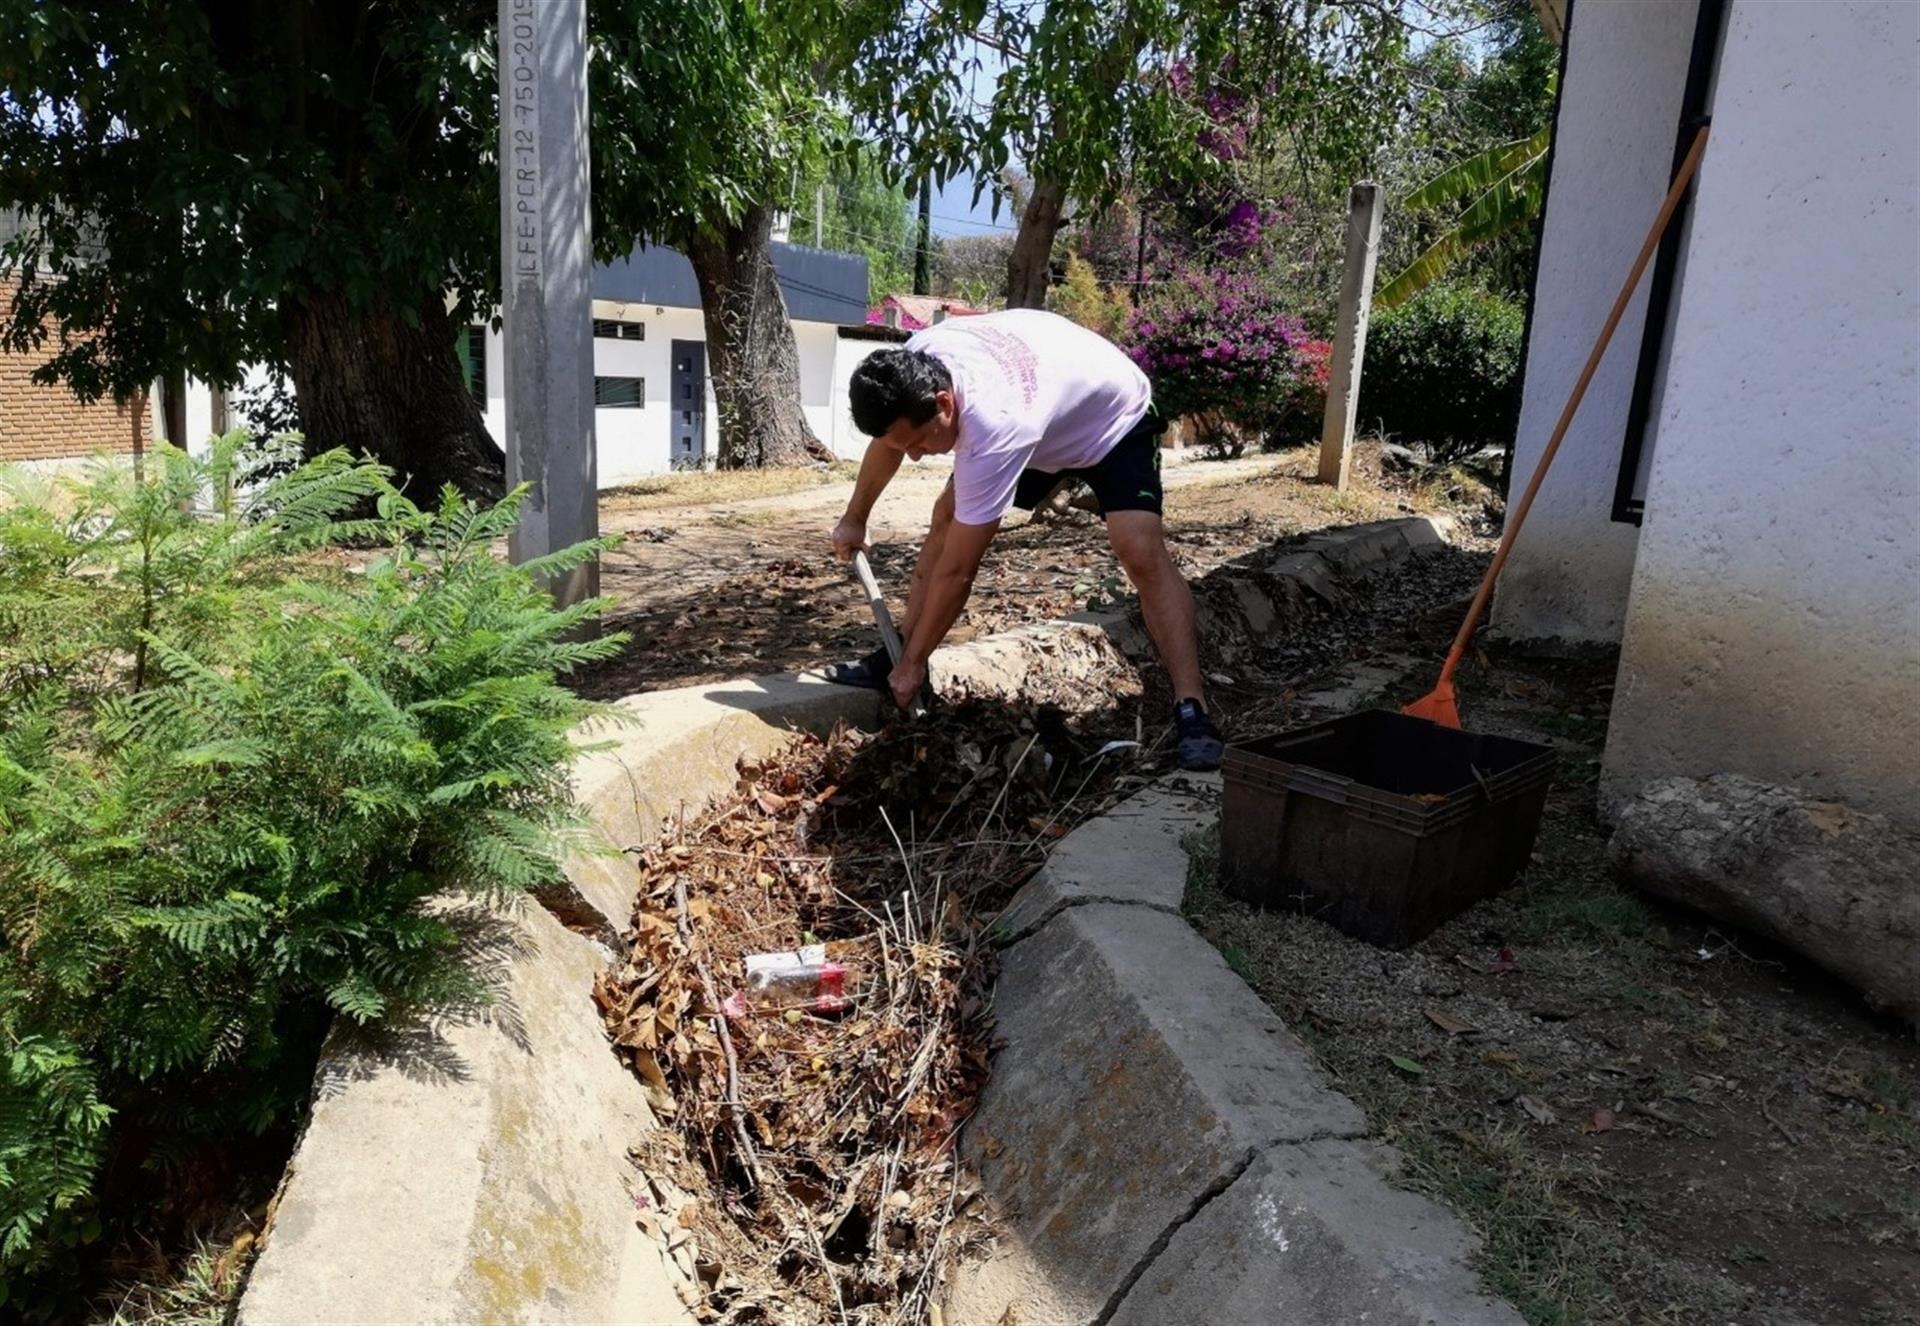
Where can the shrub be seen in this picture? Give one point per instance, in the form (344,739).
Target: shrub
(1221,347)
(1082,299)
(1443,369)
(234,771)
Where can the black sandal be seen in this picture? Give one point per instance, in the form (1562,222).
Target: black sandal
(869,673)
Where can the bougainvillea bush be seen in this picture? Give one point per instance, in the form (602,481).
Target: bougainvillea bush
(1220,346)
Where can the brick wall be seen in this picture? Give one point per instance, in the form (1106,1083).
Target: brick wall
(47,423)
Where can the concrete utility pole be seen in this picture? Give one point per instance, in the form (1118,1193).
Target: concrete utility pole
(923,247)
(1350,334)
(546,272)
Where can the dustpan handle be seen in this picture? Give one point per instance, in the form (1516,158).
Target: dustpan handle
(1518,516)
(878,603)
(889,635)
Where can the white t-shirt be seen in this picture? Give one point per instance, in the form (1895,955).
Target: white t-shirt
(1034,391)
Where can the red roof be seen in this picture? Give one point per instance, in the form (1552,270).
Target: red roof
(916,312)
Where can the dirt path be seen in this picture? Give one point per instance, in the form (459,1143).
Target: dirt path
(723,590)
(1649,1118)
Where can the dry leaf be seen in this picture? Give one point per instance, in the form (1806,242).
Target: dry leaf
(1831,818)
(1538,1110)
(1447,1022)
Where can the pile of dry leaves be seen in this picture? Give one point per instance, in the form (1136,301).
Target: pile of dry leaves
(813,1173)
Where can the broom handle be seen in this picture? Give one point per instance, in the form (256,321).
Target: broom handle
(1681,179)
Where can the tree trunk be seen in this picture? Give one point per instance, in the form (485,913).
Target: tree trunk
(369,382)
(173,409)
(1820,877)
(1029,265)
(750,347)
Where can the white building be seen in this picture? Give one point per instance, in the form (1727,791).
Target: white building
(1738,502)
(656,409)
(651,382)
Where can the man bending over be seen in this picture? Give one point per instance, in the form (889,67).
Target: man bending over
(1022,399)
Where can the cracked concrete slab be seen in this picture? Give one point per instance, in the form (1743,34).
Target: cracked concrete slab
(1137,1073)
(1147,1109)
(1131,855)
(1313,1232)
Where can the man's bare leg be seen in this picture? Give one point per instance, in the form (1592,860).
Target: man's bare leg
(1140,542)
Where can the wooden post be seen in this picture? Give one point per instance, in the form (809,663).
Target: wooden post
(546,283)
(1350,334)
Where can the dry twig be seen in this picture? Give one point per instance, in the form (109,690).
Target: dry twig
(1766,1110)
(748,1160)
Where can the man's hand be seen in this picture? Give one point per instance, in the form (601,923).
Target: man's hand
(905,682)
(849,537)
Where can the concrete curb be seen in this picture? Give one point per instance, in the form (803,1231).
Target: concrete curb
(1158,1146)
(469,1169)
(473,1168)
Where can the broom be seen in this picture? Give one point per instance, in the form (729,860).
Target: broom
(1439,704)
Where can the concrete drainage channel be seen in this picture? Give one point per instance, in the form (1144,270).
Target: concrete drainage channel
(1156,1145)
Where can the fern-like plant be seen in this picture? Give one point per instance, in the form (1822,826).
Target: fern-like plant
(250,745)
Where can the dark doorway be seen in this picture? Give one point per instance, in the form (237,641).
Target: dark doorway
(688,422)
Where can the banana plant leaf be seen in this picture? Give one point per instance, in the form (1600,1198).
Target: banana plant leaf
(1506,201)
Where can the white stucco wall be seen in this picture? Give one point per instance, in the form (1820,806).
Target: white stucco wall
(635,443)
(632,443)
(817,343)
(1774,628)
(1620,110)
(848,442)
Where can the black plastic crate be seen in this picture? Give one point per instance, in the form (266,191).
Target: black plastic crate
(1379,823)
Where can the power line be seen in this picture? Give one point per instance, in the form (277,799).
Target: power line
(969,221)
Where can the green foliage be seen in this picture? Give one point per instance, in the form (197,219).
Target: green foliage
(242,783)
(1506,185)
(1084,300)
(972,268)
(187,173)
(702,109)
(185,170)
(1470,158)
(865,213)
(1443,369)
(1085,95)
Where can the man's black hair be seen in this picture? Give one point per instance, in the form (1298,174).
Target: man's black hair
(895,384)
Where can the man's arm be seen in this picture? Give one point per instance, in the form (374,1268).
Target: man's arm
(948,586)
(877,468)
